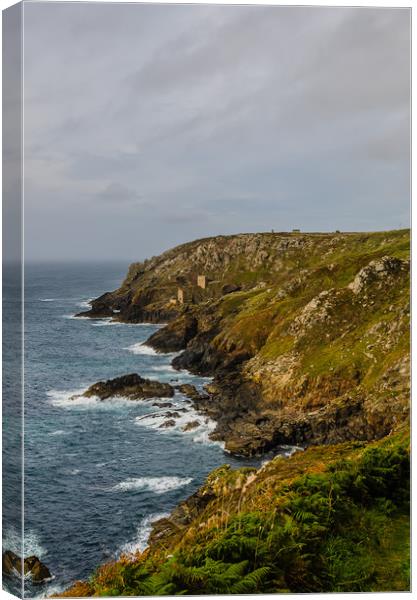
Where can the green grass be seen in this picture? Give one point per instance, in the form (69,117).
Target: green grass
(332,519)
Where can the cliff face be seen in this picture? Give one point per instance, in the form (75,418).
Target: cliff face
(306,335)
(307,339)
(227,262)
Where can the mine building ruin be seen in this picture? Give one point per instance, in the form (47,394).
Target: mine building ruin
(201,281)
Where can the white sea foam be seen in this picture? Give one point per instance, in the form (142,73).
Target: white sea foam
(202,435)
(199,434)
(85,303)
(58,432)
(141,348)
(13,541)
(47,299)
(105,322)
(52,590)
(158,485)
(169,368)
(142,535)
(71,399)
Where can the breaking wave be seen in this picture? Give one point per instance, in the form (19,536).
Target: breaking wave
(12,540)
(158,485)
(183,419)
(73,399)
(140,542)
(85,303)
(141,348)
(58,432)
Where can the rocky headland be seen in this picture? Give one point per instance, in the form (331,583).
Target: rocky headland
(306,337)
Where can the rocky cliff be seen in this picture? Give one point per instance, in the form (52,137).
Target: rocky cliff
(307,340)
(306,335)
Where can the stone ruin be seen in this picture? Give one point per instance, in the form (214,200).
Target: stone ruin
(202,281)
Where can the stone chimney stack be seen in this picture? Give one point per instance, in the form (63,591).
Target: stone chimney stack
(201,281)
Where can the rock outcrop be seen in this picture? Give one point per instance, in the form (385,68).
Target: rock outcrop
(131,386)
(381,272)
(12,566)
(176,335)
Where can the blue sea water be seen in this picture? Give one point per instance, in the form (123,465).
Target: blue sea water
(96,473)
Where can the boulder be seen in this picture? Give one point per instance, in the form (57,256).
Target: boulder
(166,424)
(189,390)
(38,571)
(378,271)
(131,386)
(191,425)
(172,414)
(12,565)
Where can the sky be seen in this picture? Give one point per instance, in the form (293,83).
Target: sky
(146,126)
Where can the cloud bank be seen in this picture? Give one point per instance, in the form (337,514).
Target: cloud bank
(149,125)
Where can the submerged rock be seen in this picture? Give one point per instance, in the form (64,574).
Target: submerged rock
(173,414)
(166,424)
(191,425)
(131,386)
(12,565)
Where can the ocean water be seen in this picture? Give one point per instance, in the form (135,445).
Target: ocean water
(96,473)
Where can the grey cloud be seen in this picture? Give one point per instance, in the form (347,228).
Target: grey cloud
(118,193)
(226,118)
(185,215)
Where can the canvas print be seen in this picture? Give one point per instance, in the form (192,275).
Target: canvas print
(206,301)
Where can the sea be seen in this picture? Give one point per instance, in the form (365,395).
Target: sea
(96,473)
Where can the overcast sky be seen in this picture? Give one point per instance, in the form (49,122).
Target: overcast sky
(147,126)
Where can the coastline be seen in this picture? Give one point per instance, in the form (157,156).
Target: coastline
(278,337)
(266,392)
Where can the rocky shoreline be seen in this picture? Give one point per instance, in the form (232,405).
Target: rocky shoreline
(135,388)
(295,349)
(306,339)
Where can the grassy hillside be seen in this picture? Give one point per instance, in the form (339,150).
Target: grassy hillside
(244,260)
(332,518)
(307,339)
